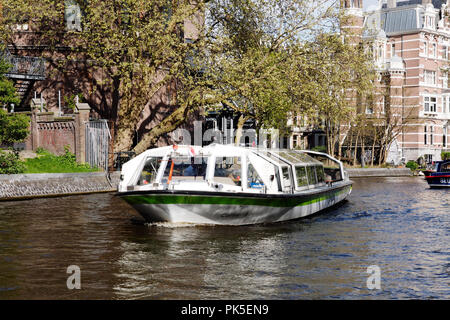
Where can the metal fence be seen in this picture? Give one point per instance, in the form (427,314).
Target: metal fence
(97,143)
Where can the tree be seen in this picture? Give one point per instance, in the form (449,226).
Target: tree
(330,77)
(13,127)
(256,56)
(8,93)
(137,46)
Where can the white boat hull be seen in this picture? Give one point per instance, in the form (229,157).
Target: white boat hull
(233,209)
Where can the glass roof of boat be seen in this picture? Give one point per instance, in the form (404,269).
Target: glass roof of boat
(292,156)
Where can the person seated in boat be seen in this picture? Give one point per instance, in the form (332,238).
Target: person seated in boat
(328,180)
(190,171)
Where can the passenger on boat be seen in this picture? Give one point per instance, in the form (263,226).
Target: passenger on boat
(328,180)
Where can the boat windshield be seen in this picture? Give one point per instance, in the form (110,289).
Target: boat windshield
(185,168)
(445,167)
(150,170)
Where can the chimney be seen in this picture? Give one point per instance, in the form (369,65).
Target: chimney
(392,4)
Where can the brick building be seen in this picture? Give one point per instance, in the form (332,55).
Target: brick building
(410,42)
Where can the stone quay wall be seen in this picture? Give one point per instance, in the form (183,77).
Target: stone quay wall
(27,186)
(378,172)
(37,185)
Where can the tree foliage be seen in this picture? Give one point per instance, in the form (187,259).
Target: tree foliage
(265,59)
(8,93)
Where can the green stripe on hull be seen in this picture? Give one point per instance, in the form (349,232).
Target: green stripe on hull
(241,201)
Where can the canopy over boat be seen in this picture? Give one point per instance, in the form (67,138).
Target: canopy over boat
(225,167)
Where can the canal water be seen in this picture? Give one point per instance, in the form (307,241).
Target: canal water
(397,224)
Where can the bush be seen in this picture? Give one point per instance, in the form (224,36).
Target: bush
(320,149)
(445,155)
(13,127)
(412,165)
(10,163)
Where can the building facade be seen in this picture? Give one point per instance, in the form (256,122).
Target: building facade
(410,44)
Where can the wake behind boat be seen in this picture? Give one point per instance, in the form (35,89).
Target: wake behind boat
(229,185)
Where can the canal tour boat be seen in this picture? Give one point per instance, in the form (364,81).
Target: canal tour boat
(440,177)
(229,185)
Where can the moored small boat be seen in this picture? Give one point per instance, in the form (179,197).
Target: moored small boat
(229,185)
(440,176)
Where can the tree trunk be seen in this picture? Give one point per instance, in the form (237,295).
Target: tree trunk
(373,151)
(169,124)
(356,149)
(240,126)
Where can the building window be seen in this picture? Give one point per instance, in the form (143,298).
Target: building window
(430,104)
(430,77)
(431,135)
(444,104)
(444,137)
(426,48)
(445,80)
(392,49)
(380,52)
(434,50)
(425,135)
(444,52)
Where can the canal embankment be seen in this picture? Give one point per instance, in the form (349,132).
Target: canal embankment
(38,185)
(378,172)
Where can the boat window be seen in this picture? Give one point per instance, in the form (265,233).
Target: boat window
(186,168)
(311,172)
(150,170)
(445,167)
(228,171)
(300,172)
(320,174)
(286,177)
(254,180)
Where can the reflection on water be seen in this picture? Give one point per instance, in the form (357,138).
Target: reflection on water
(398,224)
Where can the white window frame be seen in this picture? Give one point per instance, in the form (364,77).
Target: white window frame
(430,77)
(430,103)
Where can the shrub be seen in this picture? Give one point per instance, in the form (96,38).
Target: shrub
(10,163)
(445,155)
(13,127)
(320,149)
(412,165)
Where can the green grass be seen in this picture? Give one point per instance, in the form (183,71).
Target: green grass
(47,162)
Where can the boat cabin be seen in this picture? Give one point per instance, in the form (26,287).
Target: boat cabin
(227,168)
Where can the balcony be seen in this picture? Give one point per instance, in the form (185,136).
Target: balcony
(25,68)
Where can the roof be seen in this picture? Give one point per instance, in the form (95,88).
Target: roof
(406,16)
(437,3)
(399,20)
